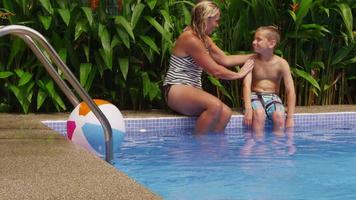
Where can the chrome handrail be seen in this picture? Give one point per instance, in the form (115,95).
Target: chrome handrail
(30,37)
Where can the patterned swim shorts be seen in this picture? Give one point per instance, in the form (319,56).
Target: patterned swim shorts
(268,101)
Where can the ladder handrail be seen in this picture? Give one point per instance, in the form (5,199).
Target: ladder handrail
(31,36)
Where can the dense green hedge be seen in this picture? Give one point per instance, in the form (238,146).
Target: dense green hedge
(119,50)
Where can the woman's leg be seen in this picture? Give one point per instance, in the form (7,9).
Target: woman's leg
(196,102)
(223,119)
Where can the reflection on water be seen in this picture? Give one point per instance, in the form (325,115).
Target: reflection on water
(280,143)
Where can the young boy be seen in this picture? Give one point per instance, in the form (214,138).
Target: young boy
(261,86)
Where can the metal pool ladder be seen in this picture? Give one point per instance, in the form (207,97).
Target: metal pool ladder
(31,37)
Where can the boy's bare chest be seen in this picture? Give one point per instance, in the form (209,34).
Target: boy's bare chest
(266,71)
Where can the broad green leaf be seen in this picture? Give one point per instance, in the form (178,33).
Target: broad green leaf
(120,20)
(125,38)
(151,3)
(186,14)
(6,74)
(54,95)
(115,41)
(63,54)
(304,7)
(306,76)
(148,53)
(167,19)
(80,28)
(136,14)
(85,69)
(155,91)
(350,61)
(88,13)
(292,14)
(23,95)
(146,83)
(150,42)
(318,64)
(16,47)
(124,66)
(346,14)
(65,14)
(107,57)
(24,78)
(48,6)
(46,21)
(86,52)
(221,88)
(341,54)
(166,35)
(105,38)
(41,97)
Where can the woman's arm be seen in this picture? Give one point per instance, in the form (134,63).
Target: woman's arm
(226,60)
(188,44)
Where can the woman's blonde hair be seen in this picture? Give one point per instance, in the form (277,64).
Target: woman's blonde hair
(201,12)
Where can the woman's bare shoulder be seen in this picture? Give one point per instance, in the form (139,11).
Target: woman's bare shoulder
(186,42)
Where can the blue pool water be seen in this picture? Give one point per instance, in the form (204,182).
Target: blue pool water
(315,161)
(311,162)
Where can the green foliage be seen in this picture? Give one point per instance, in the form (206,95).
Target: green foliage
(121,54)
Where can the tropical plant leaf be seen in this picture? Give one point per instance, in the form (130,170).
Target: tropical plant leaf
(151,3)
(124,66)
(25,77)
(5,74)
(120,20)
(303,10)
(46,21)
(85,69)
(124,36)
(221,88)
(341,54)
(48,6)
(150,42)
(89,15)
(166,35)
(136,14)
(80,28)
(65,14)
(346,14)
(306,76)
(41,97)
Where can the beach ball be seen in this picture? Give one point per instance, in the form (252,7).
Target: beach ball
(84,129)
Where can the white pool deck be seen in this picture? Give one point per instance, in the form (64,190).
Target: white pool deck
(38,163)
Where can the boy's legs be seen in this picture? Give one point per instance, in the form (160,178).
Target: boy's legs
(276,111)
(259,116)
(278,123)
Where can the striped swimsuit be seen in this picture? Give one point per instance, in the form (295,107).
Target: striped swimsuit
(182,70)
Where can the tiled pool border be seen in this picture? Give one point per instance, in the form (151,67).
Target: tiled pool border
(142,124)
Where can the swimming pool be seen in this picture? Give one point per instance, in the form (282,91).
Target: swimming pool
(315,161)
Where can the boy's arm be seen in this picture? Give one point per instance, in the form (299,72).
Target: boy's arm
(290,91)
(246,91)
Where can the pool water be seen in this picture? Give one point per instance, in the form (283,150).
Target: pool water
(311,162)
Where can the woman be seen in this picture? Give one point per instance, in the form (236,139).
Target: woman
(194,52)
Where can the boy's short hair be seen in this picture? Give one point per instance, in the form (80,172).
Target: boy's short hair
(272,33)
